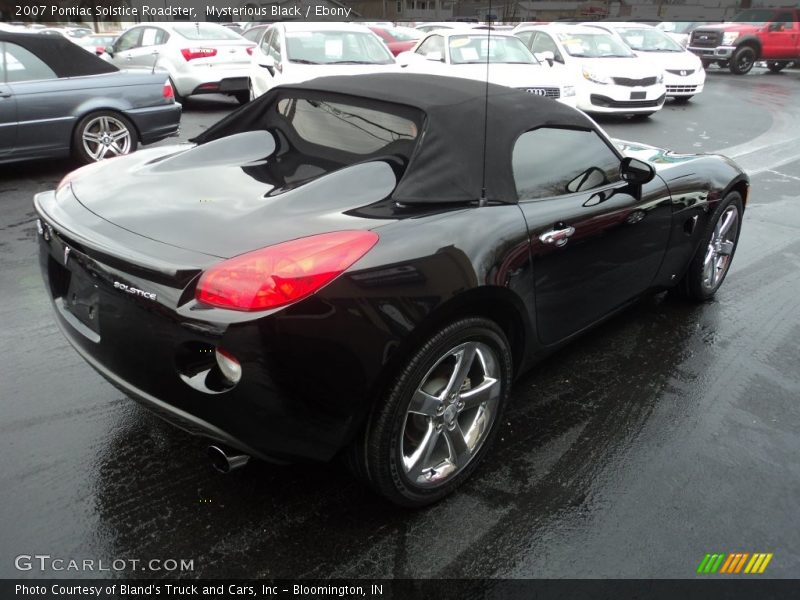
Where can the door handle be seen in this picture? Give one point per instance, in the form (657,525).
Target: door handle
(128,58)
(557,237)
(5,94)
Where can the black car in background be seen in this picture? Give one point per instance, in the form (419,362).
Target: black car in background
(341,267)
(57,99)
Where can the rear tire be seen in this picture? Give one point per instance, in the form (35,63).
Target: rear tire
(437,420)
(642,116)
(242,97)
(742,60)
(682,99)
(103,134)
(715,253)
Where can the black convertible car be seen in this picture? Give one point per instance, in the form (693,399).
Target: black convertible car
(341,268)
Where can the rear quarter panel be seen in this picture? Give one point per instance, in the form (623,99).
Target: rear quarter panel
(49,110)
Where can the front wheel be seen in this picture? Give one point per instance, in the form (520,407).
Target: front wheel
(742,60)
(103,134)
(682,99)
(713,259)
(428,434)
(776,66)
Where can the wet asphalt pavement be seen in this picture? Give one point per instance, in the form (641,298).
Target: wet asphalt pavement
(669,432)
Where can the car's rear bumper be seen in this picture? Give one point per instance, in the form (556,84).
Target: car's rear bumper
(295,400)
(181,419)
(207,80)
(155,123)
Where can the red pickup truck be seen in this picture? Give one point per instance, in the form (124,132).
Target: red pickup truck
(768,34)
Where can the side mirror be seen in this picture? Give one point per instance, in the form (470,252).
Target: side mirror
(267,62)
(434,56)
(110,51)
(406,58)
(636,171)
(546,56)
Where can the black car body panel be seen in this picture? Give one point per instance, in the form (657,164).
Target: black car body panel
(313,369)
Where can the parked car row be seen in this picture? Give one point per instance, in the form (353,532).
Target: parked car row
(600,68)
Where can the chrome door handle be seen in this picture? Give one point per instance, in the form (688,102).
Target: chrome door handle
(558,237)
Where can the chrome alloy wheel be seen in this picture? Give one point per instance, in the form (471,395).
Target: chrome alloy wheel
(450,414)
(720,248)
(105,137)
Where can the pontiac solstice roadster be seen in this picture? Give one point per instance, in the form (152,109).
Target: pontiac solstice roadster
(343,268)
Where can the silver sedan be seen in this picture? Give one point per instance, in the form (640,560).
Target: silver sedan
(200,58)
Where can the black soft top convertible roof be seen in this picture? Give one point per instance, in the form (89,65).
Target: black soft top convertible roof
(447,163)
(65,58)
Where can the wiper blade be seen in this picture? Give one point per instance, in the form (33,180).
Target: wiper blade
(304,61)
(352,62)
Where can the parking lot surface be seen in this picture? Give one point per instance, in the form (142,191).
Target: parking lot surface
(669,432)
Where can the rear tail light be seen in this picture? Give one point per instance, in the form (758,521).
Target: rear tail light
(192,53)
(278,275)
(167,92)
(250,50)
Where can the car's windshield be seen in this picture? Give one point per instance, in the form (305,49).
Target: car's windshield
(480,47)
(649,40)
(593,45)
(205,31)
(757,16)
(336,47)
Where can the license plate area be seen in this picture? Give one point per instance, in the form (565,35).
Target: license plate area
(638,95)
(76,298)
(83,301)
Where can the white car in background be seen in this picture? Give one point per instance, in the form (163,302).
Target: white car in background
(464,53)
(200,58)
(684,75)
(293,52)
(680,31)
(610,77)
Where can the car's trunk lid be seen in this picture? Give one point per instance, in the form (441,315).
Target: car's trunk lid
(221,199)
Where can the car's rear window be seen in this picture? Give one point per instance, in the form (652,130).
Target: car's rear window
(352,129)
(317,133)
(205,31)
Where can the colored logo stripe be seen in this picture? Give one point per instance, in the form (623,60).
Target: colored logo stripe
(734,563)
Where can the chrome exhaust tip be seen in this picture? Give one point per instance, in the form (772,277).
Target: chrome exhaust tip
(224,462)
